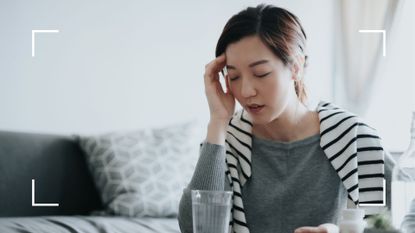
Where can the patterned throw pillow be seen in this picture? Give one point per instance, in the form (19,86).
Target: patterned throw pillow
(142,173)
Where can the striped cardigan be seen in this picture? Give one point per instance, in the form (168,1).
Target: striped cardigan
(352,147)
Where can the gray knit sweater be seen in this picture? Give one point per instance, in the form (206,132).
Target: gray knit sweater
(292,185)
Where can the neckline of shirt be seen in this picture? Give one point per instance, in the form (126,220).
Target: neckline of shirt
(287,145)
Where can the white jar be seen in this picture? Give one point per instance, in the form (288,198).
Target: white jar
(352,221)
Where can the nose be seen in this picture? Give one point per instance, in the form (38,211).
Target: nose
(247,88)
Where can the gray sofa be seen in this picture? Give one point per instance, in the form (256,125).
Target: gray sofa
(61,175)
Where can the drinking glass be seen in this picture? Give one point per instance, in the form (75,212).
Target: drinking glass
(211,211)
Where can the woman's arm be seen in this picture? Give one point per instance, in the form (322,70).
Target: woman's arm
(210,169)
(209,174)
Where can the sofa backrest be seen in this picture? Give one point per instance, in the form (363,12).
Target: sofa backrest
(59,169)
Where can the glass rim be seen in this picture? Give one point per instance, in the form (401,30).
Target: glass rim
(211,191)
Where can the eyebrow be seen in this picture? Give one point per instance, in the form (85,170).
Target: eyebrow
(250,65)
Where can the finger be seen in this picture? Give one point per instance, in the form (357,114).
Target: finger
(220,62)
(214,85)
(221,57)
(216,65)
(309,230)
(213,69)
(219,88)
(329,228)
(212,80)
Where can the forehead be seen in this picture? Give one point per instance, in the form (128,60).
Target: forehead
(248,50)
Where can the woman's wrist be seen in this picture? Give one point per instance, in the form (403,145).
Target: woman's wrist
(216,132)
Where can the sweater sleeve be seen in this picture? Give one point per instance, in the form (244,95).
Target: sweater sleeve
(209,174)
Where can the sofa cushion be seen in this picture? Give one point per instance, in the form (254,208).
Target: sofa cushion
(88,224)
(142,173)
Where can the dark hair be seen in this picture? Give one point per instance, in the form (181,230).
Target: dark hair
(279,30)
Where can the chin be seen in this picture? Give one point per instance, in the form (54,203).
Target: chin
(260,119)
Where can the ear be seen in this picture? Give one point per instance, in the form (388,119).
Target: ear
(297,67)
(294,71)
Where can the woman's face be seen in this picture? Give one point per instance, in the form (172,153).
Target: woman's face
(258,79)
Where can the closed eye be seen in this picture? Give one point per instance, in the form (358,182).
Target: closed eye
(263,75)
(259,76)
(234,78)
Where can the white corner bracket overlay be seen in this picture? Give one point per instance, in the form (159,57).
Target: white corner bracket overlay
(40,204)
(383,38)
(34,34)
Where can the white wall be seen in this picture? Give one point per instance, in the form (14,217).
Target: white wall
(393,97)
(125,64)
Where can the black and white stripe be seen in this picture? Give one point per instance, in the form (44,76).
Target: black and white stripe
(352,147)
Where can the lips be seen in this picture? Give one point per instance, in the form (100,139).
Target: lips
(255,108)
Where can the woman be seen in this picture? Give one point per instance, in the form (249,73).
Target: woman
(291,169)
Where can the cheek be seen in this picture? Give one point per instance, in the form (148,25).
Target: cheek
(276,91)
(236,91)
(234,88)
(271,88)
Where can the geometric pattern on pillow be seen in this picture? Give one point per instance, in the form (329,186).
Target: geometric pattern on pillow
(142,173)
